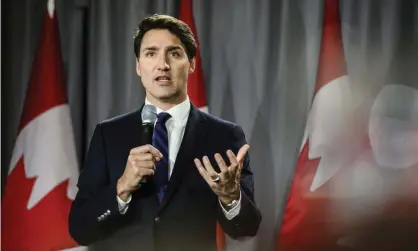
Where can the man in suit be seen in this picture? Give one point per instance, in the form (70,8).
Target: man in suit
(170,194)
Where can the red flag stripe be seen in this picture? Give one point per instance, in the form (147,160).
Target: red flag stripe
(331,59)
(47,71)
(195,85)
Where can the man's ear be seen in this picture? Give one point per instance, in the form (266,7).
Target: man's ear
(138,67)
(192,65)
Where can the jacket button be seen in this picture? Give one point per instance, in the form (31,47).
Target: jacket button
(157,219)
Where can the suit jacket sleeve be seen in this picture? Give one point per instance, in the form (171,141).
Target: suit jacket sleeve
(247,222)
(94,212)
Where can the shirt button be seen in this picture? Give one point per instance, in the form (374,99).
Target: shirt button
(157,219)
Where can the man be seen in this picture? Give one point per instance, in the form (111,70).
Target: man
(168,195)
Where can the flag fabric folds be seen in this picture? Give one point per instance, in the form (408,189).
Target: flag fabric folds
(350,188)
(41,182)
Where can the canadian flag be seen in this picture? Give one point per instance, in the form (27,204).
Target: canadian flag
(354,186)
(43,171)
(306,216)
(196,90)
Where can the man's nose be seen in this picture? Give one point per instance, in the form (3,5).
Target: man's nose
(163,64)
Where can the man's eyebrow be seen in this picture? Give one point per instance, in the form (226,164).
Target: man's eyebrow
(174,47)
(170,48)
(150,48)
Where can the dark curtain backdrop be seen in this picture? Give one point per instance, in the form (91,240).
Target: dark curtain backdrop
(259,60)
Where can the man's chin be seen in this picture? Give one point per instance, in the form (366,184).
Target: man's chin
(168,97)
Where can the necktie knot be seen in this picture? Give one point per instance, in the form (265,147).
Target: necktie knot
(162,117)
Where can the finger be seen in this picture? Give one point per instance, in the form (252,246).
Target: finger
(224,175)
(221,163)
(208,166)
(140,171)
(146,172)
(144,156)
(240,157)
(131,160)
(233,160)
(146,149)
(147,164)
(237,161)
(202,170)
(206,176)
(242,152)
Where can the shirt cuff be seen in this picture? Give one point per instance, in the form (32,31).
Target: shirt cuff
(122,205)
(234,211)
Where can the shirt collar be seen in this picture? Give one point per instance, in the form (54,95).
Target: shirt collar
(179,112)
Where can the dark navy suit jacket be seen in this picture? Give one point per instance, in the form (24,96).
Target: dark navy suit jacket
(186,218)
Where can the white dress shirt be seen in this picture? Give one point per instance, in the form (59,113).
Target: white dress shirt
(175,128)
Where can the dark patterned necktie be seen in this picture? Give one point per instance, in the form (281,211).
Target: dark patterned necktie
(160,141)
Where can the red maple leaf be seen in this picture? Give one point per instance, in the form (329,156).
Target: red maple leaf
(45,226)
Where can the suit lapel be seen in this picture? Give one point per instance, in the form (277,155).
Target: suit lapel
(193,136)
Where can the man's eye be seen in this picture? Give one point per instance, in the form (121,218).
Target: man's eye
(150,54)
(175,54)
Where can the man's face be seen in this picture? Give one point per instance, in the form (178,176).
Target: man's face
(164,67)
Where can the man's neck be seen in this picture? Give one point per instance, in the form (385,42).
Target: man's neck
(165,104)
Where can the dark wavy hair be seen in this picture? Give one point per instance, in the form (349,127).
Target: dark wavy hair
(174,25)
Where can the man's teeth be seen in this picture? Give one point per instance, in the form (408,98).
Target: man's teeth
(163,78)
